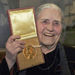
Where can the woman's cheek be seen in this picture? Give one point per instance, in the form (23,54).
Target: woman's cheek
(40,27)
(58,30)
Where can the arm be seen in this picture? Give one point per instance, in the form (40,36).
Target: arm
(13,46)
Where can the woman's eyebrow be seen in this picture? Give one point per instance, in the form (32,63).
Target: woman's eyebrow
(57,21)
(44,19)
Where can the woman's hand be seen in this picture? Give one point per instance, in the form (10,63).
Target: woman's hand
(13,47)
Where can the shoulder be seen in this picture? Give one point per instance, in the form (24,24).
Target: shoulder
(70,54)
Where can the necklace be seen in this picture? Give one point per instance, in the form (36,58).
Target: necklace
(53,62)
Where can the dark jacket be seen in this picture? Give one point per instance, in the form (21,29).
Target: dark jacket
(4,70)
(63,63)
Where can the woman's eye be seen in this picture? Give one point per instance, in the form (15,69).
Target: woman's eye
(45,22)
(56,23)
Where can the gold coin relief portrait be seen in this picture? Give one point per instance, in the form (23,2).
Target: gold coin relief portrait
(29,52)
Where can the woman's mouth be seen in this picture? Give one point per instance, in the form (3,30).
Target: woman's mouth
(49,34)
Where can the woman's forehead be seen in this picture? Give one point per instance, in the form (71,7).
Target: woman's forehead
(49,13)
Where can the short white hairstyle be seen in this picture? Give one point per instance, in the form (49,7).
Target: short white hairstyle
(48,5)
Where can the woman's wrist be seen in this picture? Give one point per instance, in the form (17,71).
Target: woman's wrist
(10,61)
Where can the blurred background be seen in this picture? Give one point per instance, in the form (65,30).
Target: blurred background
(68,7)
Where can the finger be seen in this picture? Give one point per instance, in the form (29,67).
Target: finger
(20,42)
(19,46)
(18,50)
(13,38)
(22,46)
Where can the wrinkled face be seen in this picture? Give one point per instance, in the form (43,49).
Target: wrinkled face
(49,26)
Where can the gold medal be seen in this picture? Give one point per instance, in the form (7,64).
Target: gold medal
(29,52)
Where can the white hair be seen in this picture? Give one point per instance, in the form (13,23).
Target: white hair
(48,5)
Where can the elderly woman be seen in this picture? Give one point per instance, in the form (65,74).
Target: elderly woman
(49,25)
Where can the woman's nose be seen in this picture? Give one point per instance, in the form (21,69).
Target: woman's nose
(50,27)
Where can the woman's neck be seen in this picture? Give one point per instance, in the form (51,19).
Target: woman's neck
(48,49)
